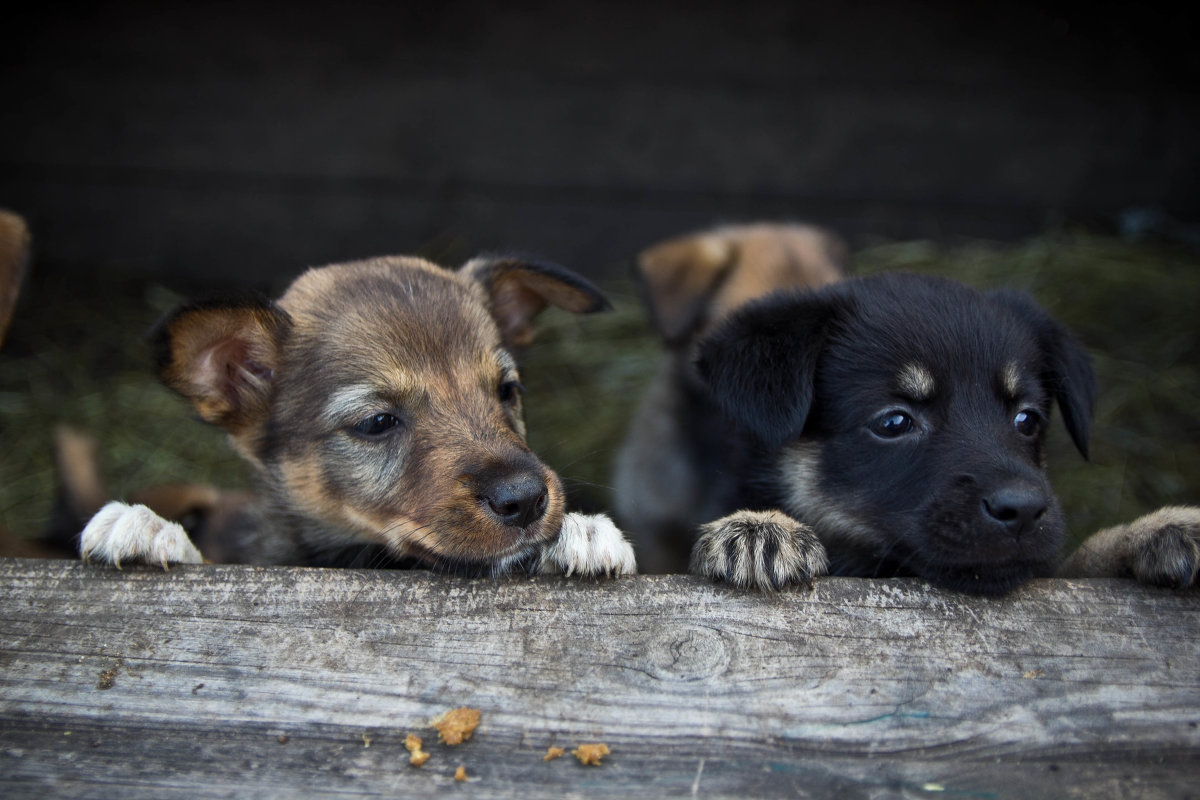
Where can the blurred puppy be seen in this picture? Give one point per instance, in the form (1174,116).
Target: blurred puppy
(670,473)
(894,425)
(14,259)
(380,404)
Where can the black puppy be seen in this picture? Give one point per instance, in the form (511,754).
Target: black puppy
(898,422)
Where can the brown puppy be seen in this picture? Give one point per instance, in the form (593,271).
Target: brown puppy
(14,258)
(380,405)
(667,474)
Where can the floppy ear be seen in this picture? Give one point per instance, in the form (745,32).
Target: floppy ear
(680,277)
(760,364)
(519,288)
(1066,369)
(14,257)
(222,356)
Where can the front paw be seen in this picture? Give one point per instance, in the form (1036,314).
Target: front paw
(121,532)
(759,550)
(588,545)
(1166,547)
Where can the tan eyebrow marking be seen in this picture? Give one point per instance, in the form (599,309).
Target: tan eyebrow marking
(1010,380)
(916,382)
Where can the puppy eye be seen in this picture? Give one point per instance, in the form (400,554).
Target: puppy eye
(892,425)
(377,426)
(1028,422)
(510,391)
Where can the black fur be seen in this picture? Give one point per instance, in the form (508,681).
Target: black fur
(961,499)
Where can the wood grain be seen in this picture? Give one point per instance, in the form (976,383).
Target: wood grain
(235,681)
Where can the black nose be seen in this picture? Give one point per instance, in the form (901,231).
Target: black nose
(518,500)
(1018,507)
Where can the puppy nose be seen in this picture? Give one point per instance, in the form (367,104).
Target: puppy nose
(1018,507)
(518,500)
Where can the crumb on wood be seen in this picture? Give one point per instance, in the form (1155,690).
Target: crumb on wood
(590,754)
(460,774)
(1032,674)
(366,740)
(108,678)
(412,743)
(457,725)
(553,753)
(282,738)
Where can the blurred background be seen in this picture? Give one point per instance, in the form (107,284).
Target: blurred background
(159,150)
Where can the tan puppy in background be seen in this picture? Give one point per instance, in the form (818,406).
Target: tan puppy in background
(667,474)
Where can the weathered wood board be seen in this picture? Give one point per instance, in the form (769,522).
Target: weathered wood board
(243,682)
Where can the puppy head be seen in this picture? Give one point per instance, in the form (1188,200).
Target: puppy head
(692,282)
(381,402)
(906,418)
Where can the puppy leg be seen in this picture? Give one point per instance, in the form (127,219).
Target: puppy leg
(1162,548)
(759,550)
(120,532)
(588,545)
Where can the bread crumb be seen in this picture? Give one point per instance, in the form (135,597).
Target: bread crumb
(553,753)
(590,754)
(460,774)
(412,743)
(457,725)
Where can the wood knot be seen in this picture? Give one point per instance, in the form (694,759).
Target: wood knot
(687,654)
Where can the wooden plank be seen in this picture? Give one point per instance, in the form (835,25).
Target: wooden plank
(236,681)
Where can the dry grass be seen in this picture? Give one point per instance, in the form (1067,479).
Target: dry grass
(75,356)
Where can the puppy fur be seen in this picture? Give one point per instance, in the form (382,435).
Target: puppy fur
(14,259)
(901,419)
(667,476)
(380,405)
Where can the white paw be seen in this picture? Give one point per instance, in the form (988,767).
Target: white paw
(588,545)
(121,532)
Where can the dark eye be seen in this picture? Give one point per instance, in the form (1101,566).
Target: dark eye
(377,426)
(1028,422)
(510,391)
(892,424)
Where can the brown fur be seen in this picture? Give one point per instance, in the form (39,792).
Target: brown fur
(690,284)
(297,382)
(14,255)
(14,258)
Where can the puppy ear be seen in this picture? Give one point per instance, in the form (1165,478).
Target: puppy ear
(519,288)
(1066,368)
(760,364)
(222,356)
(14,257)
(680,276)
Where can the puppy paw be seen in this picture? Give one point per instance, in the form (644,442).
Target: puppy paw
(1167,552)
(1162,548)
(121,532)
(588,545)
(759,550)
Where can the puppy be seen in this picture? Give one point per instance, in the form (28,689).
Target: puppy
(894,425)
(668,473)
(380,405)
(14,259)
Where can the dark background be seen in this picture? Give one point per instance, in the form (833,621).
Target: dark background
(242,141)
